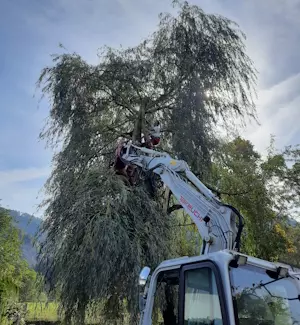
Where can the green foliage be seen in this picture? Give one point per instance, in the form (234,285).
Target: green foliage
(31,289)
(282,169)
(187,241)
(293,256)
(245,181)
(166,77)
(100,244)
(28,287)
(17,280)
(210,80)
(15,313)
(11,264)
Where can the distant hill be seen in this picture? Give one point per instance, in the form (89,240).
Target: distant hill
(29,226)
(25,222)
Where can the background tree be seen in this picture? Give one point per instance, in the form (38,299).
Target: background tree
(31,289)
(18,282)
(250,183)
(282,171)
(283,174)
(11,263)
(191,74)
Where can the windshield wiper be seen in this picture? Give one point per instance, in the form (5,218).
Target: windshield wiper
(273,296)
(275,274)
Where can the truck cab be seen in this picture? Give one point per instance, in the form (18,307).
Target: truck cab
(221,288)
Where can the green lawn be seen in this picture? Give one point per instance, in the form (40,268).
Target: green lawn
(42,311)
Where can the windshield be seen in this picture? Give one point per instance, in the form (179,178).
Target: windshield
(260,300)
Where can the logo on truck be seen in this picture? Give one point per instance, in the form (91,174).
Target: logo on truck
(195,212)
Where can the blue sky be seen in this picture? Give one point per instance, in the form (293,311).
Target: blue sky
(31,30)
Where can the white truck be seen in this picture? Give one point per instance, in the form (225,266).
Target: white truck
(221,285)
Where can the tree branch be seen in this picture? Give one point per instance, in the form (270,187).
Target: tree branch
(134,85)
(114,97)
(185,225)
(219,193)
(158,108)
(174,208)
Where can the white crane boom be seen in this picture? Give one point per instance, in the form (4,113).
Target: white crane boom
(219,225)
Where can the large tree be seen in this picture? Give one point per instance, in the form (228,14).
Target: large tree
(191,75)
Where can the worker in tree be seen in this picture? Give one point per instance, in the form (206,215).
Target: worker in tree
(150,140)
(118,165)
(153,138)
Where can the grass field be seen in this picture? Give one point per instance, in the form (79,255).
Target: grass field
(42,311)
(47,312)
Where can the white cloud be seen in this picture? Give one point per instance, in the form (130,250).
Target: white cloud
(279,112)
(273,34)
(22,175)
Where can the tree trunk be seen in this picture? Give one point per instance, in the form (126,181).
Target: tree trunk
(166,200)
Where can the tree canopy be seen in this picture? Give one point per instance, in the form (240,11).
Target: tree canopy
(193,69)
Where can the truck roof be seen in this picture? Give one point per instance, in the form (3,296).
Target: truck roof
(225,255)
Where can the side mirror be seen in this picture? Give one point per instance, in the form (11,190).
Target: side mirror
(144,276)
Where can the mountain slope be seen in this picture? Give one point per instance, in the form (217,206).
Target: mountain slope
(25,222)
(29,226)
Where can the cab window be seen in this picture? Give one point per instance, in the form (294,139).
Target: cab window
(189,296)
(201,298)
(262,298)
(166,300)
